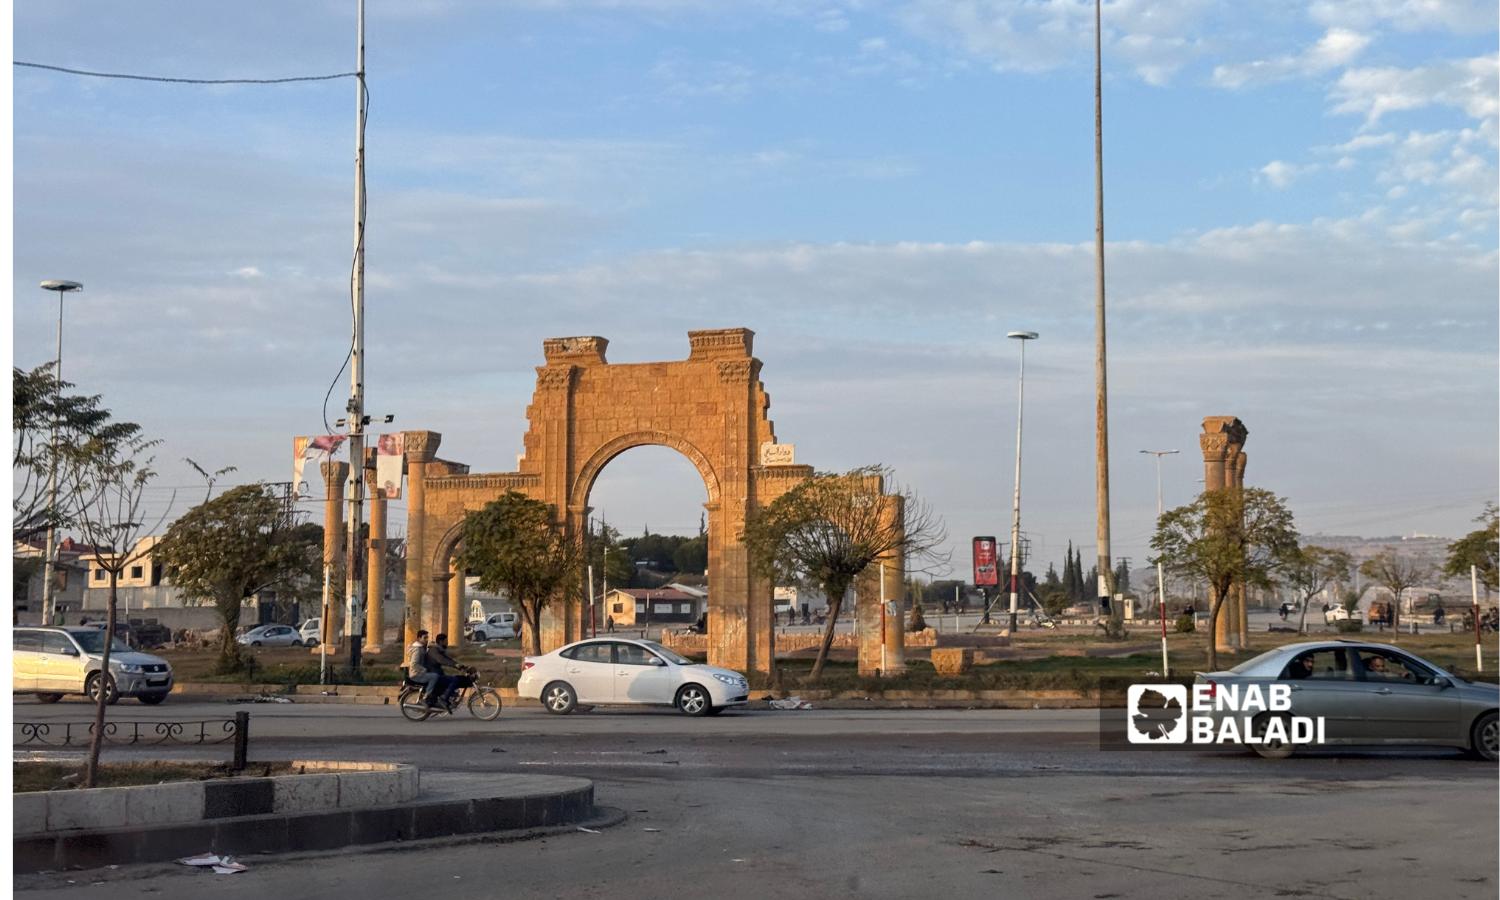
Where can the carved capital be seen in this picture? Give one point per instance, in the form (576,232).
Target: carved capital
(421,446)
(584,350)
(334,475)
(735,371)
(721,343)
(1214,445)
(554,378)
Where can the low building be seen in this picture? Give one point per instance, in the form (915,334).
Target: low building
(636,607)
(71,579)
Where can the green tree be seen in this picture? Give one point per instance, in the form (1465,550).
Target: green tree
(514,546)
(831,528)
(1395,573)
(1310,570)
(1226,537)
(234,546)
(691,555)
(1122,578)
(108,475)
(38,401)
(1480,549)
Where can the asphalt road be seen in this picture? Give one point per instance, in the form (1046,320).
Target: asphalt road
(884,803)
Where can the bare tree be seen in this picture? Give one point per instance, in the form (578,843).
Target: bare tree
(831,528)
(1310,570)
(110,478)
(1395,573)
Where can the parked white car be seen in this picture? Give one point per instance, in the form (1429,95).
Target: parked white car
(618,671)
(497,627)
(271,636)
(1335,614)
(312,633)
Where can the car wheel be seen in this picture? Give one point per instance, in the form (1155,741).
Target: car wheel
(479,636)
(112,695)
(693,700)
(296,642)
(255,643)
(49,698)
(1484,737)
(558,698)
(312,642)
(152,699)
(1278,749)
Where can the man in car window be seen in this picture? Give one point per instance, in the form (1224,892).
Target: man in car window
(1375,669)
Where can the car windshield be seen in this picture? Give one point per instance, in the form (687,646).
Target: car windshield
(92,641)
(676,659)
(1254,662)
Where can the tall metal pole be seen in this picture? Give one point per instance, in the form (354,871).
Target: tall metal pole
(1161,584)
(49,570)
(1101,403)
(354,579)
(1015,517)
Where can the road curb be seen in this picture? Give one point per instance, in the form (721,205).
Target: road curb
(326,830)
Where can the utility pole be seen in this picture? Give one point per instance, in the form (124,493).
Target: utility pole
(354,575)
(1101,401)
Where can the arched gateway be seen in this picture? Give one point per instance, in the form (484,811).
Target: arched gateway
(710,407)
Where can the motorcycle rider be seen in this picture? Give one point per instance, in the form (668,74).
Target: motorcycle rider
(445,665)
(420,670)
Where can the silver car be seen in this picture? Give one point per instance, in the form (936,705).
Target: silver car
(1371,694)
(52,662)
(271,636)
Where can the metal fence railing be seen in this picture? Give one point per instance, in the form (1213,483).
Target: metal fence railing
(133,733)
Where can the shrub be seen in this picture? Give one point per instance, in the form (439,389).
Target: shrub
(1348,626)
(1185,625)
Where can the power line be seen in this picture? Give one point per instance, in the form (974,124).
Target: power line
(160,78)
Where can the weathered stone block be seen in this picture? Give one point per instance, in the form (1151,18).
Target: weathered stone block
(306,793)
(368,789)
(95,808)
(29,812)
(952,660)
(162,804)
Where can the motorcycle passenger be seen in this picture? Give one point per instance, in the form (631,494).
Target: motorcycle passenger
(445,665)
(420,670)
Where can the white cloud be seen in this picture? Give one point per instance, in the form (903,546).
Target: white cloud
(1467,85)
(1336,48)
(247,272)
(1461,16)
(1280,175)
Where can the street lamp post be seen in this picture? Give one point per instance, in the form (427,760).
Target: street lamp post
(49,572)
(1015,518)
(1161,587)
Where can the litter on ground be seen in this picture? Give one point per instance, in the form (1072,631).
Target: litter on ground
(791,703)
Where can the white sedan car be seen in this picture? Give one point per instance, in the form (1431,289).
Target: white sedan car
(628,672)
(272,636)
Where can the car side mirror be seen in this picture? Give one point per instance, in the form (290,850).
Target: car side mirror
(1443,683)
(654,661)
(70,651)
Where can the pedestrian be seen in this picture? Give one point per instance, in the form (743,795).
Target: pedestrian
(1439,614)
(609,624)
(1284,610)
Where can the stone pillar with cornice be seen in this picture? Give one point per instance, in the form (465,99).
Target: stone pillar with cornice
(420,449)
(375,570)
(331,618)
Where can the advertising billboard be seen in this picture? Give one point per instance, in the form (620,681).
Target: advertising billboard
(986,562)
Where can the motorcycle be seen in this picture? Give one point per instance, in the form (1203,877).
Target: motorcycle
(482,700)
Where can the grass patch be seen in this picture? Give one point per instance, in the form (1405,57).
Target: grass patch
(51,776)
(292,666)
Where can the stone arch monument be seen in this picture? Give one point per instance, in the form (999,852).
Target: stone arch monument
(711,408)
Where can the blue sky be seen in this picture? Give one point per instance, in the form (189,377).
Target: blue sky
(1300,205)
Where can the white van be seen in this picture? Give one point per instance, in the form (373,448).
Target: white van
(498,627)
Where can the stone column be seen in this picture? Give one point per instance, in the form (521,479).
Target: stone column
(375,571)
(332,617)
(420,448)
(455,627)
(1222,438)
(1242,616)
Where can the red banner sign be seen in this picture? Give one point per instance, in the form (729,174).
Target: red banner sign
(986,565)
